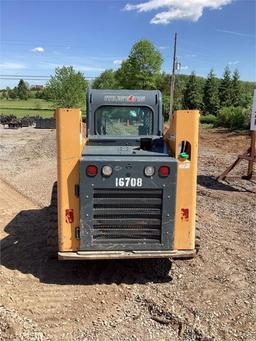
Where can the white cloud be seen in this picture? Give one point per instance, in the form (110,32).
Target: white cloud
(235,33)
(38,49)
(185,67)
(117,61)
(192,55)
(233,62)
(190,10)
(163,47)
(12,66)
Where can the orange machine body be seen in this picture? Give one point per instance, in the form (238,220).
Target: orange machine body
(182,133)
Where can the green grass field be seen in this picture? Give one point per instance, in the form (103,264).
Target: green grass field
(31,107)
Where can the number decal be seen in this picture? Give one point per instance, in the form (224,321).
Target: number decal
(139,182)
(126,182)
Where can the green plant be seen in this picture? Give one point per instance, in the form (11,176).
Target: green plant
(106,80)
(211,94)
(208,119)
(67,88)
(192,93)
(233,118)
(141,70)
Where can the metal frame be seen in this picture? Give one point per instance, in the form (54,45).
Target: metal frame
(249,155)
(87,185)
(97,255)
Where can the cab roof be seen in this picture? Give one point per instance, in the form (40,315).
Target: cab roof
(124,97)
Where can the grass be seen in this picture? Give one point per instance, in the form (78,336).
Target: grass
(31,103)
(27,112)
(31,107)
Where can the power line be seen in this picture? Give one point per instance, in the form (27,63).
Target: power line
(30,77)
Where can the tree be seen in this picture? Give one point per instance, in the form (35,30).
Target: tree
(211,95)
(192,93)
(13,93)
(142,67)
(4,94)
(23,90)
(7,92)
(106,80)
(225,90)
(67,88)
(236,89)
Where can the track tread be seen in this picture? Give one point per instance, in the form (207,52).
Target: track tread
(197,239)
(52,232)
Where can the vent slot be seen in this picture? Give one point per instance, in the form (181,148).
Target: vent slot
(123,216)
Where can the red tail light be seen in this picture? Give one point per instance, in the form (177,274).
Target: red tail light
(164,171)
(91,170)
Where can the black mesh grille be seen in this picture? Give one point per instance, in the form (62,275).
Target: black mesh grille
(127,215)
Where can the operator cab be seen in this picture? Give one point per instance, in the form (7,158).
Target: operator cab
(128,118)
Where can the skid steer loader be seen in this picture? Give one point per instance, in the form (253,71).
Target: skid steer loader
(124,189)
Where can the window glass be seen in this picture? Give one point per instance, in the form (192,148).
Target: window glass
(123,121)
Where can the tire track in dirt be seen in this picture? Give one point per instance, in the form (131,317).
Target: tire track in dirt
(6,187)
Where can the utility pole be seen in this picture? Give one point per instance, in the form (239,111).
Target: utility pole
(174,66)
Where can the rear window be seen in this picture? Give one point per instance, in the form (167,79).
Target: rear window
(123,121)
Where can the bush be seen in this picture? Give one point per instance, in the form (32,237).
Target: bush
(208,119)
(233,118)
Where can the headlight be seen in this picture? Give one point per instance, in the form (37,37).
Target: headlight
(149,171)
(107,170)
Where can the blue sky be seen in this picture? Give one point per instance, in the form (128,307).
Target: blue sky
(37,36)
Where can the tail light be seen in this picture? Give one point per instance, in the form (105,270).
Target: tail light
(164,171)
(91,170)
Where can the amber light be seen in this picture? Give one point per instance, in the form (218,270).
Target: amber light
(91,170)
(164,171)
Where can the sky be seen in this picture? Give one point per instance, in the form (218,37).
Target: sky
(38,36)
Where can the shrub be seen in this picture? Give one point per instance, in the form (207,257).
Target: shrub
(208,119)
(233,118)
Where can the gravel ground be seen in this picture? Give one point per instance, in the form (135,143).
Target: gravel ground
(210,297)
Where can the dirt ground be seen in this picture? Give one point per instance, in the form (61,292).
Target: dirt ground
(210,297)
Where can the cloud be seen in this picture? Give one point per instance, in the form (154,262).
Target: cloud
(235,33)
(12,66)
(38,49)
(192,55)
(185,67)
(163,47)
(190,10)
(234,62)
(117,61)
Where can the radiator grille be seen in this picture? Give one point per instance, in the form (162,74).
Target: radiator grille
(127,216)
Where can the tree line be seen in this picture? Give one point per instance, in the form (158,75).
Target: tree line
(142,70)
(21,91)
(223,101)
